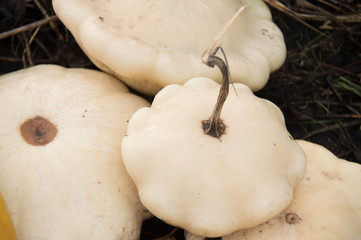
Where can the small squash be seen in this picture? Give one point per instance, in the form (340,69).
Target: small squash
(212,183)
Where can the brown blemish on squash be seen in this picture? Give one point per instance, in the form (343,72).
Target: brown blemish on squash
(38,131)
(292,218)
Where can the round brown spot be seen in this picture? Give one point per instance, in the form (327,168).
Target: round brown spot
(38,131)
(292,218)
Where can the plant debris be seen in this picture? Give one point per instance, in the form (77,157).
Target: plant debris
(318,88)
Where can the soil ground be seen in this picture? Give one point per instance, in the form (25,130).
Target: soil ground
(318,88)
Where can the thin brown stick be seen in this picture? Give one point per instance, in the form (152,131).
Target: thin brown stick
(10,59)
(311,16)
(41,8)
(339,3)
(324,102)
(329,15)
(34,35)
(334,90)
(338,69)
(46,14)
(351,18)
(280,7)
(332,127)
(28,27)
(336,116)
(26,52)
(329,4)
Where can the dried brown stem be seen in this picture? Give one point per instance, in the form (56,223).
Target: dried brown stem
(215,126)
(46,14)
(26,52)
(280,7)
(332,127)
(28,27)
(352,18)
(349,18)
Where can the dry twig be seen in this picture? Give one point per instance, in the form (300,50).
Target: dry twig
(28,27)
(311,12)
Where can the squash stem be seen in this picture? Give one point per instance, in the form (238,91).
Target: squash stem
(215,126)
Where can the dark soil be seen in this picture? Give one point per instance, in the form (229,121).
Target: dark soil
(318,88)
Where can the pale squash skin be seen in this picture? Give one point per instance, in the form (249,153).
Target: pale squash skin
(326,204)
(7,231)
(151,44)
(210,186)
(73,184)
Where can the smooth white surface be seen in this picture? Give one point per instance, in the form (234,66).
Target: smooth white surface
(327,202)
(206,185)
(76,186)
(151,44)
